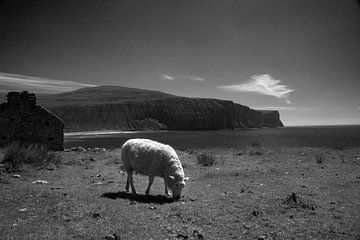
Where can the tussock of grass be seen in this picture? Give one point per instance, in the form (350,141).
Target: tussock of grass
(206,159)
(256,144)
(295,201)
(319,158)
(16,155)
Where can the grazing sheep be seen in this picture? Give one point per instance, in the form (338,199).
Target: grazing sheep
(152,159)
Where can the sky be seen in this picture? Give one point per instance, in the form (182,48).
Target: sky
(299,57)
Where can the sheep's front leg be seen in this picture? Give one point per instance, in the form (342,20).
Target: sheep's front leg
(166,189)
(128,181)
(151,180)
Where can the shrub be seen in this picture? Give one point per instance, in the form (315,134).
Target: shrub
(206,159)
(256,144)
(16,155)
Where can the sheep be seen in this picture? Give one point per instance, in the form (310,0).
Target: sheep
(152,159)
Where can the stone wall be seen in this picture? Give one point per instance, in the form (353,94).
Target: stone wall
(21,120)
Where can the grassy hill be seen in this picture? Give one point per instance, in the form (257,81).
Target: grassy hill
(123,108)
(100,95)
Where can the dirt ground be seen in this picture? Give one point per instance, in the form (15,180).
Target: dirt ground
(250,193)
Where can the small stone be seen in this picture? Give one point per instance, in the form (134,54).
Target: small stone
(152,207)
(255,213)
(23,210)
(16,176)
(99,175)
(110,237)
(183,236)
(51,167)
(262,237)
(95,214)
(66,218)
(245,226)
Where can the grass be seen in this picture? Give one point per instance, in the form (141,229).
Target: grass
(17,155)
(276,195)
(206,159)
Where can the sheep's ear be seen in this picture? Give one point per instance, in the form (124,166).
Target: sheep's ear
(172,177)
(186,178)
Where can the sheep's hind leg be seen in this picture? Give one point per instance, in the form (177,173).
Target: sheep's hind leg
(131,180)
(151,180)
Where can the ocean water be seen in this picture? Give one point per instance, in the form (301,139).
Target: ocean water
(336,137)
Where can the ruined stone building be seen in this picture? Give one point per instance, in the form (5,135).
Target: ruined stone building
(21,120)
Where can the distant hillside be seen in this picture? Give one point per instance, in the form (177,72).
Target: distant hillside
(122,108)
(101,95)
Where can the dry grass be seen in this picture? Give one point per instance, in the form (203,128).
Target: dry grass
(206,159)
(16,155)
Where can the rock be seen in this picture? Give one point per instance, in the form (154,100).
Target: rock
(16,176)
(262,237)
(95,214)
(78,149)
(182,236)
(66,218)
(51,167)
(109,237)
(255,213)
(23,210)
(197,235)
(40,182)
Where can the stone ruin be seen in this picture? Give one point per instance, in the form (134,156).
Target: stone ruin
(22,121)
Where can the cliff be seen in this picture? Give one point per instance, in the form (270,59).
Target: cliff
(121,108)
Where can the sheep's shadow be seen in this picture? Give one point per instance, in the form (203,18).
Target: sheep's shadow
(158,199)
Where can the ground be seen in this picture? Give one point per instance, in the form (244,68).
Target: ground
(250,193)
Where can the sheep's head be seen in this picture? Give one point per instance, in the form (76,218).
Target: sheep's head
(176,184)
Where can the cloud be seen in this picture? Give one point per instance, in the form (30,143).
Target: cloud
(165,77)
(9,81)
(262,84)
(276,108)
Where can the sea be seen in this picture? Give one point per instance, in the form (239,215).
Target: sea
(334,137)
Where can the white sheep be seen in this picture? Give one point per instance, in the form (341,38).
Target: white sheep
(152,159)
